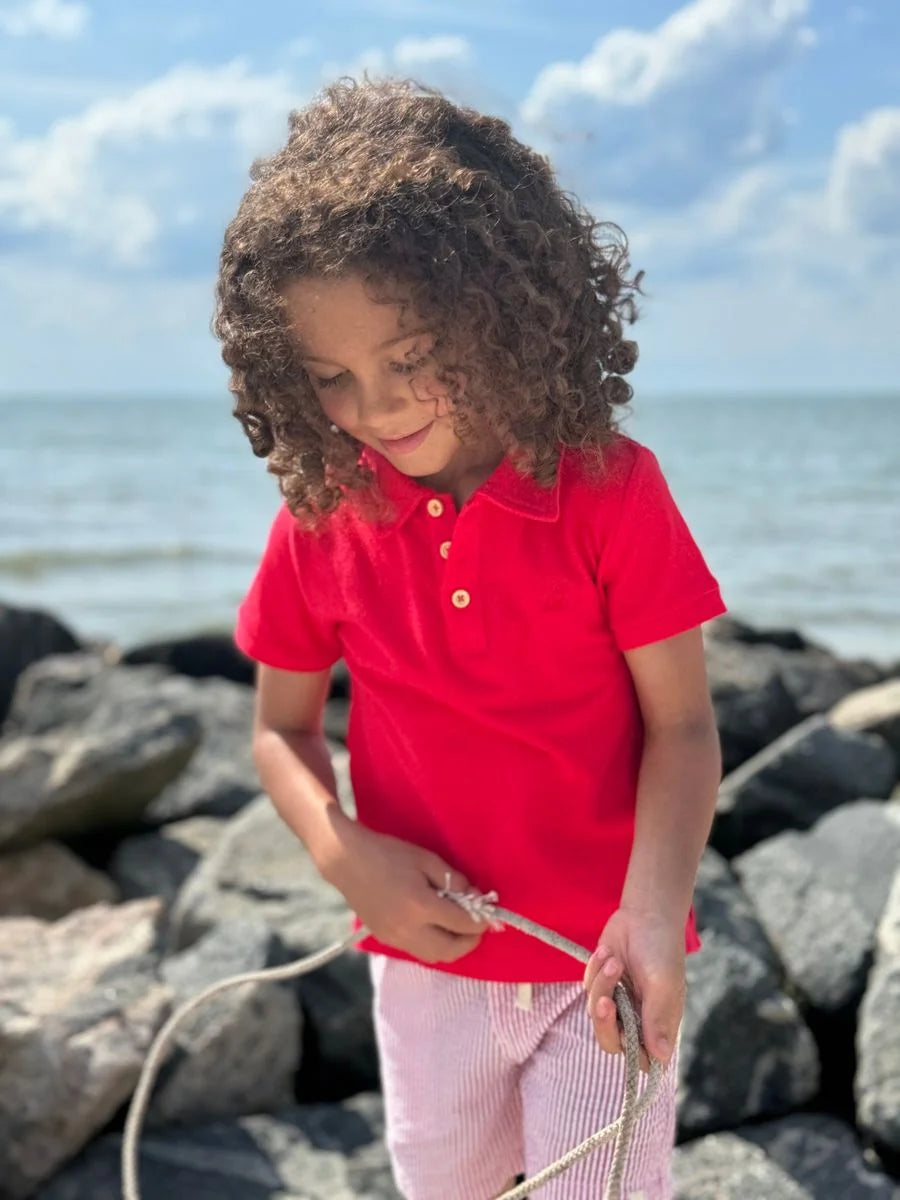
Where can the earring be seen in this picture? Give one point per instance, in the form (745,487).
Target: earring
(333,428)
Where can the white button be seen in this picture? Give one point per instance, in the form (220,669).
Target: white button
(461,598)
(445,549)
(435,507)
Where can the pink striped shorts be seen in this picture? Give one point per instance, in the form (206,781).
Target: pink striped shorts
(484,1080)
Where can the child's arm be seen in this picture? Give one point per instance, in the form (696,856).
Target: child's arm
(679,779)
(389,883)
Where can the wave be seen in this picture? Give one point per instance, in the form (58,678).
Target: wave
(41,562)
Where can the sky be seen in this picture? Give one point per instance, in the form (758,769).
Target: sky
(750,150)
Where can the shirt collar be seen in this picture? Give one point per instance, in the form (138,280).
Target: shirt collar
(517,493)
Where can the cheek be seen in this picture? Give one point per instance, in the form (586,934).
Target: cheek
(428,389)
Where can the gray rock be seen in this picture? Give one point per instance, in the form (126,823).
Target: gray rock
(79,1006)
(238,1052)
(872,710)
(823,1156)
(260,867)
(725,1167)
(27,635)
(877,1083)
(158,863)
(103,774)
(745,1050)
(795,781)
(722,908)
(48,881)
(820,895)
(752,705)
(309,1152)
(220,778)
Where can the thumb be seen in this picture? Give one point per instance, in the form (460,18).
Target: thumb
(659,1026)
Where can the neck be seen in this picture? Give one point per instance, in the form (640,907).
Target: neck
(460,479)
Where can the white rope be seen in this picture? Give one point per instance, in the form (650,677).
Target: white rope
(483,907)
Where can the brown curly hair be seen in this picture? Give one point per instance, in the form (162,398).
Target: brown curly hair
(391,181)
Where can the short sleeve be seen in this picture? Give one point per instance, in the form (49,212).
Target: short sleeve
(279,622)
(656,581)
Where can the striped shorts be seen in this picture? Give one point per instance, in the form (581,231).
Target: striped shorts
(484,1080)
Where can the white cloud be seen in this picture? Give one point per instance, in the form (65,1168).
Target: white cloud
(53,18)
(444,62)
(84,176)
(659,117)
(864,181)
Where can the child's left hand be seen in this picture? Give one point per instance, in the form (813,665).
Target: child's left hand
(647,952)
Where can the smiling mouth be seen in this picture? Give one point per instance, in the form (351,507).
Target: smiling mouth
(411,442)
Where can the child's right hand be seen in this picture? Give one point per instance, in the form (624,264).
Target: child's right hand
(393,885)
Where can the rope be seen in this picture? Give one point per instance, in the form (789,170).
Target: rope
(483,907)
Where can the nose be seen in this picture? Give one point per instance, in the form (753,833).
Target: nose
(379,400)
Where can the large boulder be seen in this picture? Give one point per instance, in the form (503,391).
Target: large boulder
(872,710)
(823,1155)
(157,863)
(236,1053)
(805,1156)
(27,635)
(819,896)
(220,778)
(101,773)
(199,656)
(795,781)
(736,999)
(80,1002)
(48,881)
(308,1152)
(260,867)
(878,1034)
(764,681)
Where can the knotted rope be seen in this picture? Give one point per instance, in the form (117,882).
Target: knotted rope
(482,907)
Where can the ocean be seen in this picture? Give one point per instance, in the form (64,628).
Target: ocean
(134,518)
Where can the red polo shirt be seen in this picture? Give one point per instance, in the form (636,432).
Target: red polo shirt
(493,717)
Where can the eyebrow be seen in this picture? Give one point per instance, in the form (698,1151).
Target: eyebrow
(384,345)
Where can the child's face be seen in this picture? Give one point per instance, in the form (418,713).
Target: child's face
(370,366)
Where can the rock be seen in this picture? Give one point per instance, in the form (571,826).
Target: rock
(872,710)
(220,778)
(308,1152)
(48,881)
(722,1167)
(199,656)
(823,1156)
(735,999)
(729,628)
(723,909)
(752,705)
(79,1006)
(801,776)
(158,863)
(878,1034)
(820,895)
(260,867)
(27,635)
(239,1051)
(103,773)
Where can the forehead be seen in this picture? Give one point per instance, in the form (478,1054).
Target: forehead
(343,315)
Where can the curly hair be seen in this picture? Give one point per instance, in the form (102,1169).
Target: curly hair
(527,294)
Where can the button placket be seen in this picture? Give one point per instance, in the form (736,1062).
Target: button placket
(463,607)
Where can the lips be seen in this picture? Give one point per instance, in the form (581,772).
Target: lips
(406,445)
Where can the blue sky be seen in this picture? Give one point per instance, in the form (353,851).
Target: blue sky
(749,148)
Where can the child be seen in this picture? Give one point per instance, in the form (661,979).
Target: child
(426,342)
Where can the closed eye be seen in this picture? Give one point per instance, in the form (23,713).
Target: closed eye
(408,367)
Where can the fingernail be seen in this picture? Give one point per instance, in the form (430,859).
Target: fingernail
(611,967)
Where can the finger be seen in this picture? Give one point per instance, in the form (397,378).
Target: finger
(440,946)
(441,910)
(601,1006)
(595,965)
(659,1026)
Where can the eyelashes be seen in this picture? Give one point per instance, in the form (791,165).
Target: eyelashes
(405,368)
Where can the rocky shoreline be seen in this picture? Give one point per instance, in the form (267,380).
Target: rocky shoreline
(139,863)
